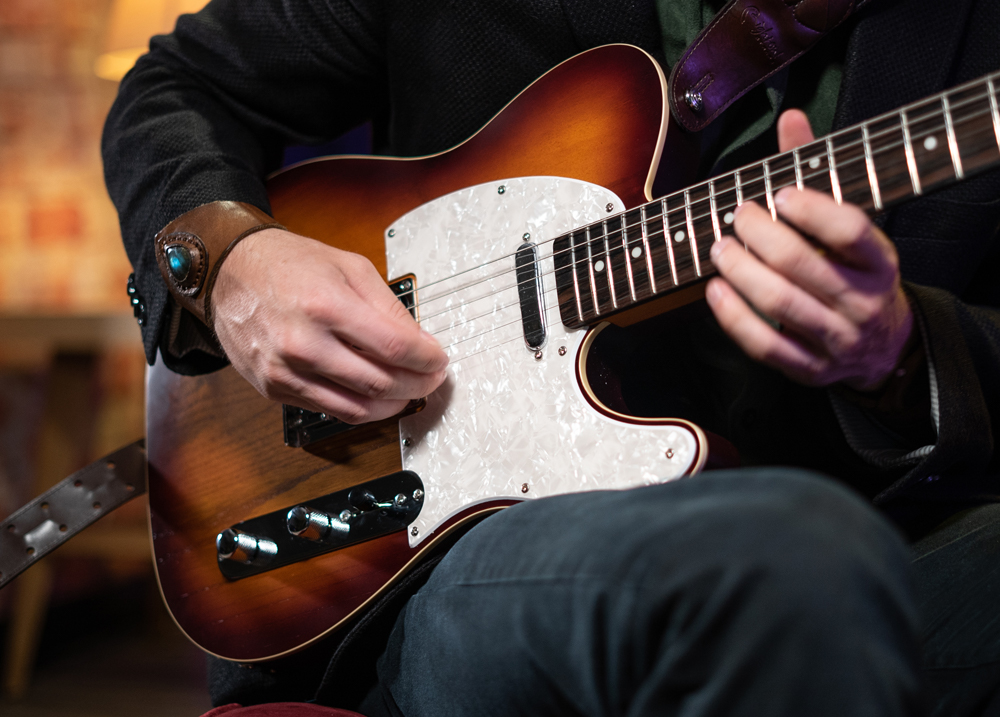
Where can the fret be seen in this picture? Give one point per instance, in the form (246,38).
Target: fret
(600,269)
(714,210)
(832,167)
(870,168)
(930,148)
(619,266)
(581,273)
(610,268)
(994,109)
(911,161)
(646,250)
(949,126)
(739,189)
(798,168)
(628,248)
(669,241)
(692,241)
(769,193)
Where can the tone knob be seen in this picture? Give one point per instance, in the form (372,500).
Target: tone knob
(304,522)
(243,547)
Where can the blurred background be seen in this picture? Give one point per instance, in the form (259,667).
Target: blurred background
(84,632)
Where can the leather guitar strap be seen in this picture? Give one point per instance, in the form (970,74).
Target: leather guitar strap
(64,510)
(747,42)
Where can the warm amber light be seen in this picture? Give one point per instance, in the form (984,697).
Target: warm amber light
(130,25)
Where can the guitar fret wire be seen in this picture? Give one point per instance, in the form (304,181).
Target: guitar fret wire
(994,110)
(645,246)
(576,281)
(690,229)
(870,166)
(665,220)
(714,211)
(911,160)
(798,168)
(831,164)
(590,271)
(739,188)
(628,260)
(768,194)
(666,237)
(949,128)
(610,275)
(926,102)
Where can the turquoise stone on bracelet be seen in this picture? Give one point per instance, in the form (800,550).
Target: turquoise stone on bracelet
(179,262)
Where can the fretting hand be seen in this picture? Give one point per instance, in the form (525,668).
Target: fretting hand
(318,328)
(843,314)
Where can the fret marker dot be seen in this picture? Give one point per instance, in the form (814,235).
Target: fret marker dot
(637,252)
(728,217)
(599,266)
(679,237)
(930,143)
(814,163)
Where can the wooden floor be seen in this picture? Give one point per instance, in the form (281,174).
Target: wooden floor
(112,656)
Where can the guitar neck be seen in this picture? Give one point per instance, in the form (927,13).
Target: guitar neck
(663,246)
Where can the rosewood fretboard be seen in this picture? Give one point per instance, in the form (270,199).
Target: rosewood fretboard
(663,246)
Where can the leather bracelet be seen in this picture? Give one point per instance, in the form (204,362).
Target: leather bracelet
(191,248)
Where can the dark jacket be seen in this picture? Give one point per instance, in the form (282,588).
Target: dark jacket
(205,115)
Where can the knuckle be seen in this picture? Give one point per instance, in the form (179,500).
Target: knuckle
(377,386)
(394,347)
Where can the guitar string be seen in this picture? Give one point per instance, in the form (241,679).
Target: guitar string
(615,238)
(615,234)
(545,292)
(518,320)
(936,112)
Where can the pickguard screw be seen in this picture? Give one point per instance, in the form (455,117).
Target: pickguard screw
(526,236)
(392,232)
(418,494)
(407,284)
(538,356)
(501,189)
(609,206)
(345,516)
(414,531)
(407,443)
(670,453)
(524,487)
(693,100)
(562,350)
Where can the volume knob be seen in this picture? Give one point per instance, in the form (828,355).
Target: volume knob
(243,547)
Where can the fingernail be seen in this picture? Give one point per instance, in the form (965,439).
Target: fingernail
(782,196)
(715,250)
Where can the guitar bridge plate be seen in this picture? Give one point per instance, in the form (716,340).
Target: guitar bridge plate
(362,512)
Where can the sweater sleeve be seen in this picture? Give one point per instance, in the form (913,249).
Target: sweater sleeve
(204,116)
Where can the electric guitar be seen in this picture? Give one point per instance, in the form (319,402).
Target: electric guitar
(273,526)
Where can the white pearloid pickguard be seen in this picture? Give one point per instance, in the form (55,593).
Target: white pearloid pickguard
(506,419)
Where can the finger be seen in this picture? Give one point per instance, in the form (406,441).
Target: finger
(780,299)
(371,318)
(844,229)
(785,250)
(359,372)
(759,340)
(793,130)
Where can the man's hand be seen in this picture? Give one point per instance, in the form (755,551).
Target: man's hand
(838,299)
(318,328)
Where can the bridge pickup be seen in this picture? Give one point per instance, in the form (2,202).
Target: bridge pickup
(302,427)
(529,294)
(343,518)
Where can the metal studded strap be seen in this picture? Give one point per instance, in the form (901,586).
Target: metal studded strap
(54,517)
(747,42)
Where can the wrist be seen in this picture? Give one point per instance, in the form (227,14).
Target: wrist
(191,249)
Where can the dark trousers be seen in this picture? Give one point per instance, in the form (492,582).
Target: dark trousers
(754,592)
